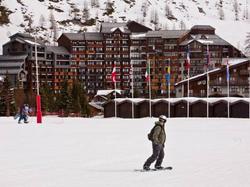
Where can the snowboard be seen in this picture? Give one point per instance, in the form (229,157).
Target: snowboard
(150,170)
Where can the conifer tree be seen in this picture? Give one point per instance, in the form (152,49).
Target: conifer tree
(48,103)
(63,99)
(6,94)
(76,95)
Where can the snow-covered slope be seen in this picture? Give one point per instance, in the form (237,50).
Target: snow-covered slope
(81,152)
(68,14)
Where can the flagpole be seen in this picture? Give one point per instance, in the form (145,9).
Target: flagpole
(208,61)
(149,87)
(169,70)
(228,79)
(115,100)
(207,93)
(188,68)
(188,93)
(132,76)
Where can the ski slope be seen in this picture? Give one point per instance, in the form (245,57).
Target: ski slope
(79,152)
(191,12)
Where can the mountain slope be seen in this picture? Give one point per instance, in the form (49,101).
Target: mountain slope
(35,16)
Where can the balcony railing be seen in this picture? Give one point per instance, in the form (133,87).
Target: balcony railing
(231,82)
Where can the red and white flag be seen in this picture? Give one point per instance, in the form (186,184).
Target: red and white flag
(113,75)
(187,62)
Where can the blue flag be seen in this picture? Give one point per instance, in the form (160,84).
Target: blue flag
(167,76)
(228,74)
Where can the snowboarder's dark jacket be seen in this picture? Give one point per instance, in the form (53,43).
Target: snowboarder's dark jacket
(159,135)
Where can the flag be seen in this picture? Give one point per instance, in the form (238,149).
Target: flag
(187,64)
(167,76)
(208,57)
(113,75)
(147,73)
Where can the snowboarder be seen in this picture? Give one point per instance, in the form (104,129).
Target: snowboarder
(23,113)
(158,137)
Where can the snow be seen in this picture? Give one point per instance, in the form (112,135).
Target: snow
(107,92)
(31,42)
(1,78)
(189,99)
(187,11)
(205,41)
(104,152)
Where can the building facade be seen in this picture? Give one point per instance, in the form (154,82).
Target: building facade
(239,81)
(130,47)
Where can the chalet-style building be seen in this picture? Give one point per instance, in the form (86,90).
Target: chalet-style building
(239,81)
(90,57)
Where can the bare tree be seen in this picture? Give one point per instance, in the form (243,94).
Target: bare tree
(85,11)
(183,25)
(236,9)
(42,21)
(93,3)
(97,4)
(53,26)
(246,12)
(221,14)
(221,11)
(247,44)
(144,9)
(165,26)
(168,12)
(154,18)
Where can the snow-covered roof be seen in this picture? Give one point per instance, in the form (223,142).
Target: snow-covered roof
(206,42)
(231,62)
(166,33)
(189,99)
(141,35)
(106,92)
(206,39)
(93,104)
(31,42)
(107,27)
(57,49)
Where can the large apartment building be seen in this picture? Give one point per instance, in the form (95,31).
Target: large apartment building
(90,57)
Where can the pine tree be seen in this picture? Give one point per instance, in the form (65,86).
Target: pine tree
(47,95)
(76,95)
(6,93)
(84,103)
(63,99)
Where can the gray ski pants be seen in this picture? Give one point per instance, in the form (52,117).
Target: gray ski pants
(158,155)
